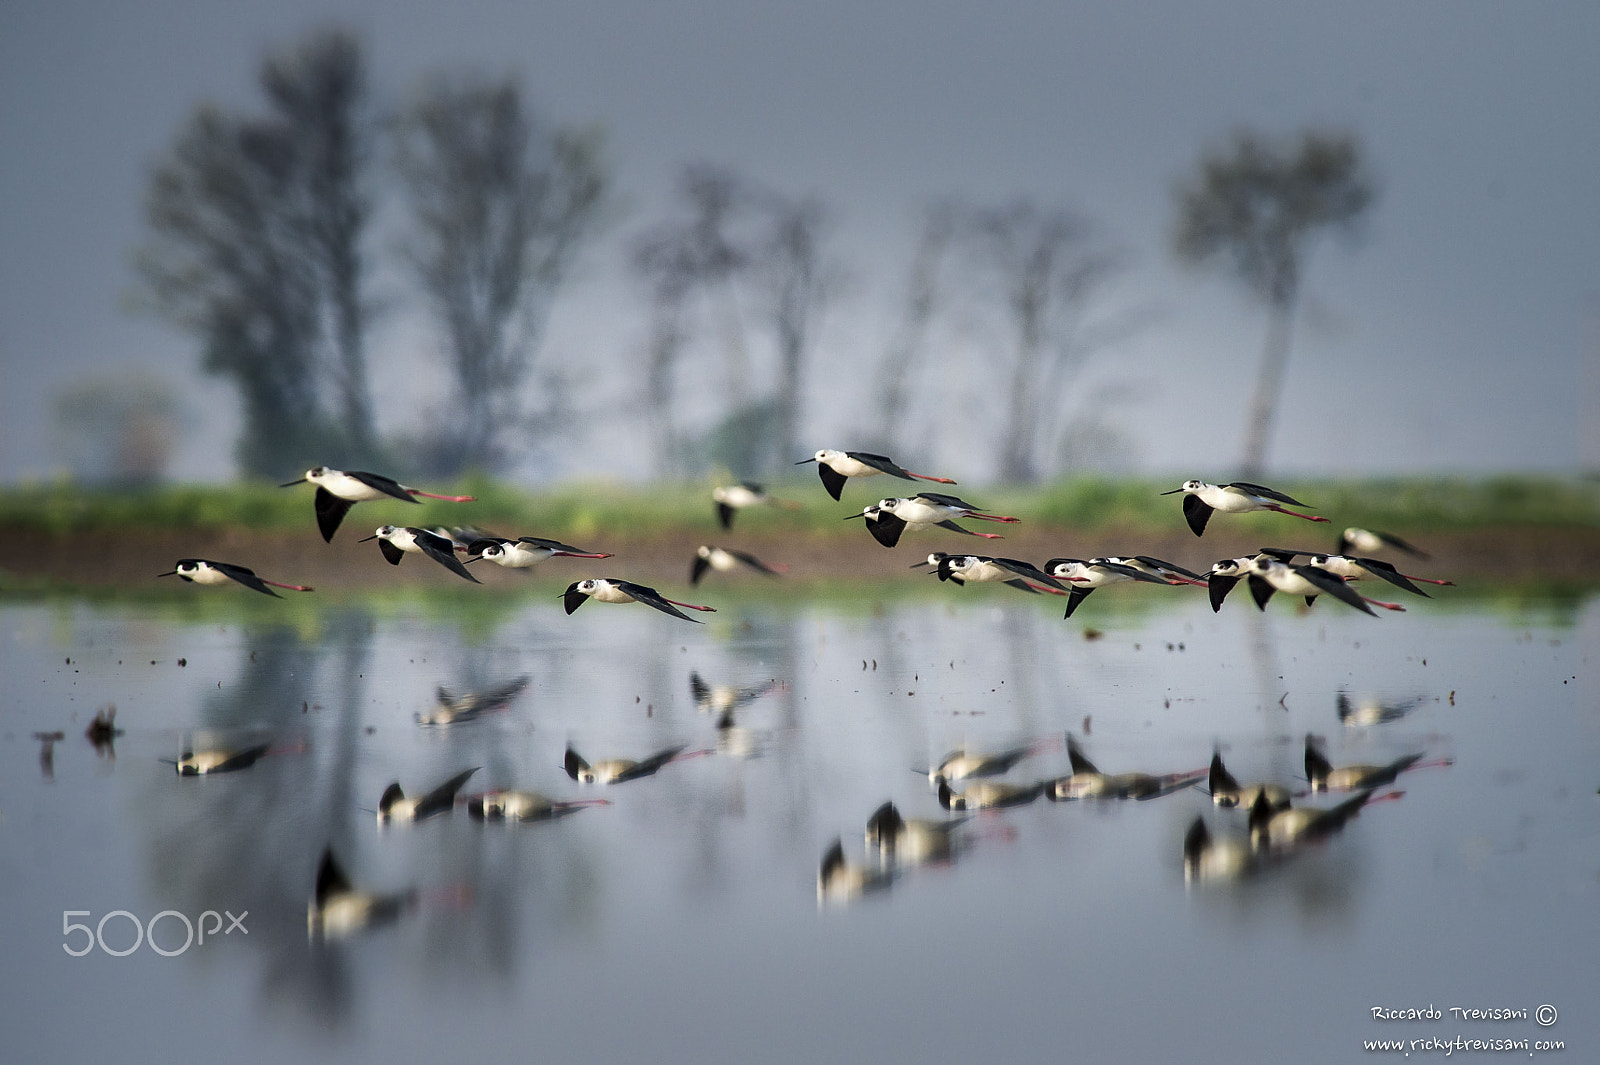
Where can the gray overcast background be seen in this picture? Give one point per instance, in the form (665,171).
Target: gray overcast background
(1460,335)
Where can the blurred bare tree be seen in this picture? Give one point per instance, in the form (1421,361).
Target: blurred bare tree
(898,369)
(118,429)
(1049,268)
(1259,203)
(254,232)
(500,206)
(740,260)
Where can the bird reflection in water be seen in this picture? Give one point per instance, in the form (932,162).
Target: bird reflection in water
(452,709)
(47,752)
(337,908)
(838,881)
(509,805)
(103,732)
(395,807)
(1087,782)
(1372,711)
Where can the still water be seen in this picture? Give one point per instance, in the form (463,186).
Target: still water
(681,923)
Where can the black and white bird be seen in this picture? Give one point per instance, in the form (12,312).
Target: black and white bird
(1354,569)
(453,709)
(395,541)
(911,842)
(507,804)
(204,571)
(988,795)
(204,761)
(1368,541)
(1227,792)
(725,560)
(724,698)
(1358,713)
(610,590)
(339,490)
(888,518)
(1087,575)
(982,569)
(1212,859)
(963,764)
(617,770)
(838,881)
(1325,776)
(1279,830)
(835,467)
(1270,575)
(523,552)
(1087,782)
(1236,497)
(732,498)
(394,807)
(337,908)
(1225,573)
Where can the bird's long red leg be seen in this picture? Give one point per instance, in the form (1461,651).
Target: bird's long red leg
(1428,580)
(986,536)
(1386,606)
(689,606)
(447,499)
(925,477)
(1295,513)
(291,587)
(578,554)
(1175,579)
(1004,518)
(1045,588)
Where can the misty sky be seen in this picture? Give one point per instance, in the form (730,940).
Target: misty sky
(1461,334)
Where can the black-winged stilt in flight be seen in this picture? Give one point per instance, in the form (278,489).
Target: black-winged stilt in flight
(610,590)
(524,551)
(204,571)
(911,842)
(838,881)
(509,805)
(1279,830)
(337,908)
(1087,782)
(452,709)
(395,807)
(888,518)
(988,795)
(1227,792)
(962,764)
(982,569)
(1367,541)
(835,467)
(725,560)
(339,490)
(1354,569)
(732,498)
(1094,573)
(617,770)
(1358,713)
(1269,575)
(1207,858)
(396,540)
(723,698)
(204,761)
(1236,497)
(1325,776)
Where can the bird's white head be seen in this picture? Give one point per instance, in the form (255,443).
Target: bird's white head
(828,454)
(703,551)
(589,586)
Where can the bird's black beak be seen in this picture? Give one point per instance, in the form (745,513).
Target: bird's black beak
(853,517)
(1174,492)
(291,484)
(364,539)
(169,573)
(802,462)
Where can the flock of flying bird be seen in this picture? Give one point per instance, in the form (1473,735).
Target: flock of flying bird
(1275,827)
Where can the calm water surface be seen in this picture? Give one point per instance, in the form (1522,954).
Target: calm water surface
(681,923)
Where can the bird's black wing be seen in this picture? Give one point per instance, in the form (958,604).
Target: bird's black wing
(476,547)
(1260,590)
(832,479)
(242,760)
(443,797)
(572,599)
(1077,595)
(330,878)
(390,551)
(944,500)
(1030,571)
(1387,571)
(443,552)
(1197,511)
(330,511)
(1283,554)
(881,463)
(1080,764)
(651,597)
(752,561)
(885,528)
(1158,563)
(246,577)
(1220,587)
(725,515)
(1334,585)
(649,765)
(386,485)
(1134,571)
(1266,493)
(697,569)
(1019,584)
